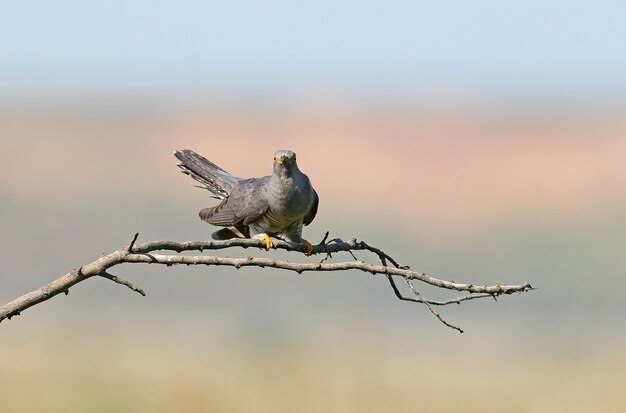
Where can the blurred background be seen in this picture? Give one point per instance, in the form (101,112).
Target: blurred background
(482,142)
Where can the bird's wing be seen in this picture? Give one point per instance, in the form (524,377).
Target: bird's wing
(308,218)
(245,204)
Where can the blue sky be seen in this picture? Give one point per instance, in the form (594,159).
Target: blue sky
(164,46)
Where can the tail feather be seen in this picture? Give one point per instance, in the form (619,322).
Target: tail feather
(214,178)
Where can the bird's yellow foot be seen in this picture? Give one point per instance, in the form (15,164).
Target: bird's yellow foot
(268,242)
(307,244)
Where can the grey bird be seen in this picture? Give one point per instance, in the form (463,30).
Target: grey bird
(277,205)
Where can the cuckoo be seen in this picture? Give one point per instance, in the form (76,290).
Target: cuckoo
(277,205)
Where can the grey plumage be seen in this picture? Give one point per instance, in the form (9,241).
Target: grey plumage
(214,178)
(278,204)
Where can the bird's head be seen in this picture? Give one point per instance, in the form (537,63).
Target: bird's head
(284,162)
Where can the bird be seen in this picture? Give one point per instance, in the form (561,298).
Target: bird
(277,205)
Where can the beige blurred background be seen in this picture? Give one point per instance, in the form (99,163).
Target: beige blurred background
(498,197)
(479,141)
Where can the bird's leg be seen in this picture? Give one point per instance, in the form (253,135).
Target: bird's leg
(293,234)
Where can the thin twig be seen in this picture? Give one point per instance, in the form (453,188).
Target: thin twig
(457,300)
(323,241)
(121,281)
(430,308)
(132,243)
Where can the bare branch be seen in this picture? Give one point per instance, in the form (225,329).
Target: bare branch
(145,253)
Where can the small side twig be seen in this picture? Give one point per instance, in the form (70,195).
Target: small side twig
(430,308)
(457,300)
(121,281)
(132,243)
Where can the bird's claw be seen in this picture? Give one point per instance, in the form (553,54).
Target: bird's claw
(309,247)
(268,242)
